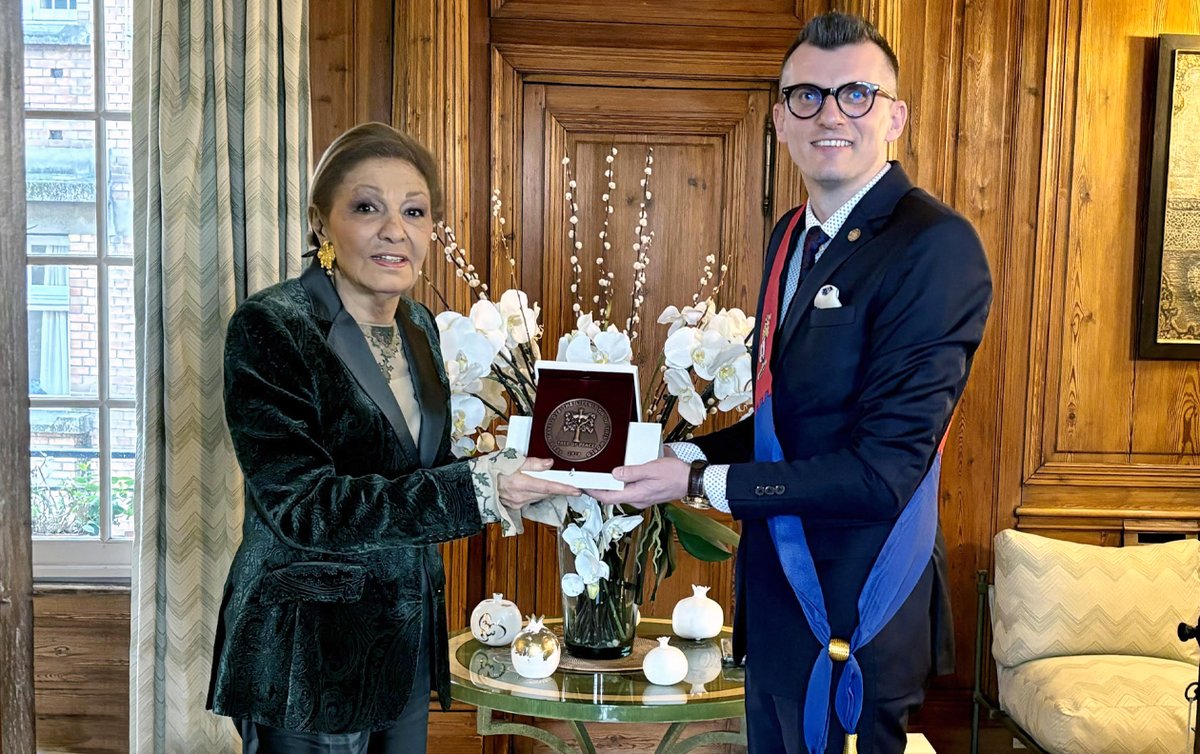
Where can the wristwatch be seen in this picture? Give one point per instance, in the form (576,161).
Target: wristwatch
(695,489)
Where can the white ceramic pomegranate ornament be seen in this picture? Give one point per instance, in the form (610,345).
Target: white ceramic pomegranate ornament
(496,621)
(697,617)
(665,665)
(535,650)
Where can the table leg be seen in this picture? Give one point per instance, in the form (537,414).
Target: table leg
(487,726)
(671,744)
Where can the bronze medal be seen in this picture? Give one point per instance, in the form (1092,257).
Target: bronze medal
(578,430)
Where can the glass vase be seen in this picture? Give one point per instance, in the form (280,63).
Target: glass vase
(600,622)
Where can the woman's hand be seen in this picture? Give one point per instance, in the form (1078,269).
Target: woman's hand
(518,490)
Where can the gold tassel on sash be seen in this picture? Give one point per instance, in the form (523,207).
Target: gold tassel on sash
(851,744)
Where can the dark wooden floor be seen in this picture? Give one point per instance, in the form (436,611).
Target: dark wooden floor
(955,740)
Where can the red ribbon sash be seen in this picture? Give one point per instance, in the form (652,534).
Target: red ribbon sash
(770,323)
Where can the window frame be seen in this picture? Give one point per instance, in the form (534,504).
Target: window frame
(36,12)
(101,558)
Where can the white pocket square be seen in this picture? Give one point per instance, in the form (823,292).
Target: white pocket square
(827,298)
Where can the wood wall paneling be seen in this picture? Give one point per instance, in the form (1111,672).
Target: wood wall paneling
(1100,417)
(81,668)
(755,14)
(16,575)
(1062,430)
(350,54)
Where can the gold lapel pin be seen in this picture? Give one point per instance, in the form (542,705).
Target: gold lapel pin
(854,235)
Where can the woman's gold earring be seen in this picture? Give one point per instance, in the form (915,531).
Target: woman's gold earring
(325,257)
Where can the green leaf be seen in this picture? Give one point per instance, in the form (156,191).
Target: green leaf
(700,548)
(700,525)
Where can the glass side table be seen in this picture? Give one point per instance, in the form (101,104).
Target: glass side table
(483,676)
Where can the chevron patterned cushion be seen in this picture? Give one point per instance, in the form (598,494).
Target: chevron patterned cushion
(1100,703)
(1055,599)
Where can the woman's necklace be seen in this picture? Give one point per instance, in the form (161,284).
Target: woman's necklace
(387,342)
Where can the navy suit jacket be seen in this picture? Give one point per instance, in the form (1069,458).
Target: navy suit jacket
(862,396)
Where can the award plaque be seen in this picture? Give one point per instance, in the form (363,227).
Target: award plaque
(581,419)
(585,418)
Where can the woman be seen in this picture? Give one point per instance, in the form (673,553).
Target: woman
(333,621)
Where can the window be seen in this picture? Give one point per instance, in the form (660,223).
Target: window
(79,285)
(55,10)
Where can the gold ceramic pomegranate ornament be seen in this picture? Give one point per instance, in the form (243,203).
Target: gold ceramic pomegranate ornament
(535,650)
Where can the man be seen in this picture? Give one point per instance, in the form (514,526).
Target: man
(873,302)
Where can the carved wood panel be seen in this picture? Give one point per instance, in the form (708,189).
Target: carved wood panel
(707,192)
(745,13)
(1100,417)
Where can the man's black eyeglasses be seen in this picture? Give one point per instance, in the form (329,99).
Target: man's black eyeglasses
(854,99)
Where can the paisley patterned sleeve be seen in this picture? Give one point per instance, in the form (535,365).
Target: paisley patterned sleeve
(485,471)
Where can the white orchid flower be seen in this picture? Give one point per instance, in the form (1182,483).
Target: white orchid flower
(463,447)
(489,323)
(689,317)
(578,350)
(618,526)
(733,375)
(706,356)
(590,567)
(733,324)
(466,414)
(586,326)
(572,585)
(735,400)
(467,354)
(691,406)
(679,347)
(592,521)
(520,321)
(612,347)
(578,541)
(446,320)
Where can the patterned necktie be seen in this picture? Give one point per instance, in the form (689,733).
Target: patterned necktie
(813,241)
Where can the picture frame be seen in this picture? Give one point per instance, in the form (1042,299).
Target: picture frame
(1169,310)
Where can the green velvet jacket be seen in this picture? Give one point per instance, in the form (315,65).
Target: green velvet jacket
(321,619)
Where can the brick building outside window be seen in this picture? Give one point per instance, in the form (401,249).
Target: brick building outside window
(79,275)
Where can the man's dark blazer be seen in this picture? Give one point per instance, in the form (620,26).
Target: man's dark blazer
(337,584)
(863,394)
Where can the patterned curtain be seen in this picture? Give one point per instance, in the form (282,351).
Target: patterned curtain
(220,131)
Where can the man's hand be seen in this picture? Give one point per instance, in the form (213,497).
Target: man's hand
(648,484)
(520,489)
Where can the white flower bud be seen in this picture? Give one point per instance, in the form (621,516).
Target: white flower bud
(648,170)
(502,221)
(604,197)
(612,186)
(578,245)
(572,183)
(574,259)
(599,260)
(574,220)
(566,160)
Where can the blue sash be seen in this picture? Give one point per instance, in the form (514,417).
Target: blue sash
(903,559)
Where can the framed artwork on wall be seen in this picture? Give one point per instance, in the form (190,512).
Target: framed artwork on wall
(1169,326)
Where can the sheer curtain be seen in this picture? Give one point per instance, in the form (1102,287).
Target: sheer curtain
(220,131)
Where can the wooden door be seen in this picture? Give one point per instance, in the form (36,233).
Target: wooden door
(707,200)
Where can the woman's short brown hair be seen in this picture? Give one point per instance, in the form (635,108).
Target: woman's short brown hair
(365,142)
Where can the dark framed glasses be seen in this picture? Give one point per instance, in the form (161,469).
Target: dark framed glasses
(855,99)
